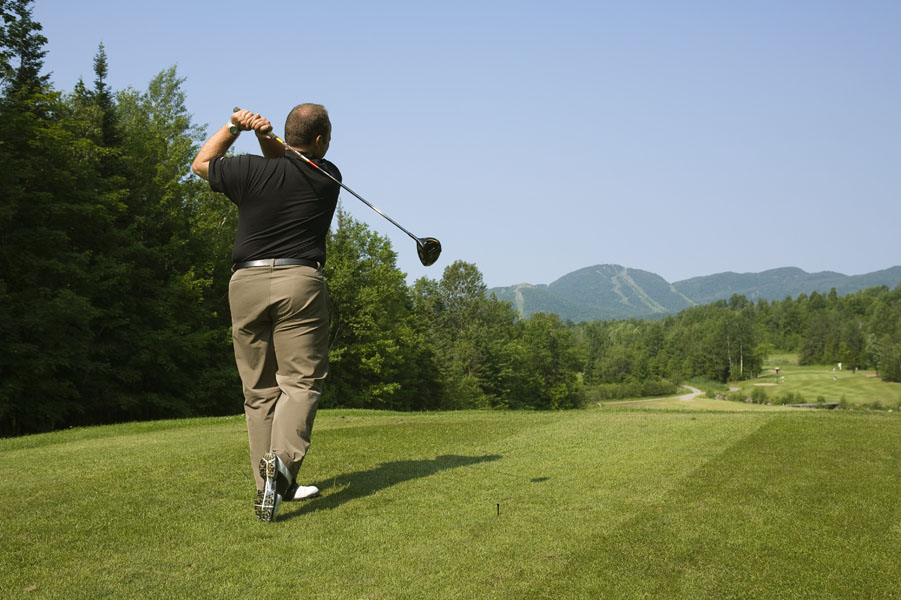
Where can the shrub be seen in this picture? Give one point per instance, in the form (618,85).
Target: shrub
(791,398)
(737,397)
(632,389)
(758,396)
(708,385)
(658,388)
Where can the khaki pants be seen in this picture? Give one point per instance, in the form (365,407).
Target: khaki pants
(280,333)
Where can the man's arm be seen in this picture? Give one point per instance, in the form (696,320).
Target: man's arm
(222,140)
(270,147)
(214,147)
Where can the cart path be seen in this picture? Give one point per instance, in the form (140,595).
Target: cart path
(695,392)
(689,397)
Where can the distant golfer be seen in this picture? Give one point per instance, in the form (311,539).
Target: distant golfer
(278,298)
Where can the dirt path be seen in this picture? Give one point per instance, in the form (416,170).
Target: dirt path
(695,392)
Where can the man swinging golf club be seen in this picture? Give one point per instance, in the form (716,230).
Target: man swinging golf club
(277,296)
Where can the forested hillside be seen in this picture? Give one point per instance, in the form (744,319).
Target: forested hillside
(728,340)
(777,284)
(616,292)
(115,262)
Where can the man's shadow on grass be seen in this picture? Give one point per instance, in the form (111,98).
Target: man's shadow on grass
(365,483)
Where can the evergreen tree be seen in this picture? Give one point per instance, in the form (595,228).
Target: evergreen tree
(168,353)
(44,266)
(22,53)
(102,97)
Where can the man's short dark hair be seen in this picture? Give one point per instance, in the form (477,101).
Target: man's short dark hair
(305,122)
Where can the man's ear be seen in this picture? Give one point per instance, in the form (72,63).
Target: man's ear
(320,145)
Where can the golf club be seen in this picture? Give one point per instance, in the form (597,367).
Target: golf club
(429,248)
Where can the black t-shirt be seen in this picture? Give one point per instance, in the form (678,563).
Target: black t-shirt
(285,206)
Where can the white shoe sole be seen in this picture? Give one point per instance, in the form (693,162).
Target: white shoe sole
(268,506)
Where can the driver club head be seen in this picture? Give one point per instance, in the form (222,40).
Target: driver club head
(429,250)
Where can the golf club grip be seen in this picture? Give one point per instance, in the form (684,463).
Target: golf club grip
(237,108)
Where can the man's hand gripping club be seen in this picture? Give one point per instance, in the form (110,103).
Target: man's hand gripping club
(221,140)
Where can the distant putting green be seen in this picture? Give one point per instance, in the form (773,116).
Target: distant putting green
(598,503)
(688,399)
(860,389)
(699,403)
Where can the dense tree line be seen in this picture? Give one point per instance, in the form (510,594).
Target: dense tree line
(859,330)
(110,257)
(718,342)
(114,269)
(729,340)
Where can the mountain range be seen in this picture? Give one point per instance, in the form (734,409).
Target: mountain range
(616,292)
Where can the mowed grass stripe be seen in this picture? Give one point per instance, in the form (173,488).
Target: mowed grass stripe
(410,504)
(807,507)
(579,478)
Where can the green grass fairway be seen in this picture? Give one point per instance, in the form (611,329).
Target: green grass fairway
(861,389)
(597,503)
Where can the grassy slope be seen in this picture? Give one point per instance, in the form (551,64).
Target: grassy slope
(618,503)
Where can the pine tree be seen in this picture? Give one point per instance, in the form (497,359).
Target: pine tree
(23,50)
(44,272)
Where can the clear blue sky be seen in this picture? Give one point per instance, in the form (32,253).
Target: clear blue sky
(536,138)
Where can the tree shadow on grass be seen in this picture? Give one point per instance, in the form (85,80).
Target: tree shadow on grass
(365,483)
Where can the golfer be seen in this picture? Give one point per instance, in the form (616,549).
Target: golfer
(277,296)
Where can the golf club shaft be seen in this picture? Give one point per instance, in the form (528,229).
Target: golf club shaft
(271,134)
